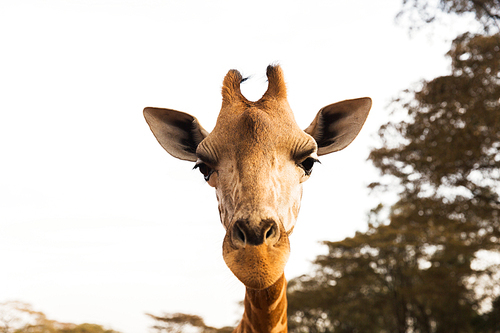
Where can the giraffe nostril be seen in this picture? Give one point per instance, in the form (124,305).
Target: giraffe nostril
(270,232)
(239,234)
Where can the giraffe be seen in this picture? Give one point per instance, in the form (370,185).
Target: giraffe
(257,158)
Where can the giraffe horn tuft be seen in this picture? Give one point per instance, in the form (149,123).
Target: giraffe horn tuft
(231,91)
(277,86)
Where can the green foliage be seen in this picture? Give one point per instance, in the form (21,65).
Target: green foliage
(415,269)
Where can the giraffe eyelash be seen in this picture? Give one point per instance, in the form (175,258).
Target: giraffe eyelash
(307,165)
(204,169)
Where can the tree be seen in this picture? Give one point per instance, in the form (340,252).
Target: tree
(413,270)
(85,328)
(180,322)
(381,281)
(19,317)
(423,12)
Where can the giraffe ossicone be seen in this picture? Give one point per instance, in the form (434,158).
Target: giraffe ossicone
(257,158)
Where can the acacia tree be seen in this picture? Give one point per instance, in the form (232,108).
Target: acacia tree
(181,322)
(414,269)
(19,317)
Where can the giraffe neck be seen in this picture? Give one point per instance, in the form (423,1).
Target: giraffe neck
(265,310)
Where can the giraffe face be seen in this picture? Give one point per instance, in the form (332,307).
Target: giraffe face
(257,170)
(257,158)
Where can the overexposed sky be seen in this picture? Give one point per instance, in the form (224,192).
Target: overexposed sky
(97,222)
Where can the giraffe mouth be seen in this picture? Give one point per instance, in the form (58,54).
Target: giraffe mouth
(258,265)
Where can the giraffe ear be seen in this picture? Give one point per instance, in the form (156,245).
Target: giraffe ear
(336,125)
(177,132)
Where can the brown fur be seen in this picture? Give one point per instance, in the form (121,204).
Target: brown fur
(253,158)
(265,310)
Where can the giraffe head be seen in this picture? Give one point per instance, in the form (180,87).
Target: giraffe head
(257,158)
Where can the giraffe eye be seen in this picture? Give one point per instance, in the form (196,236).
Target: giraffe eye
(204,169)
(307,165)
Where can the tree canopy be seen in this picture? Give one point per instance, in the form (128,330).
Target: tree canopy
(181,322)
(19,317)
(422,12)
(419,267)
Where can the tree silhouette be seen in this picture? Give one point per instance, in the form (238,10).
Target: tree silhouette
(181,322)
(416,268)
(19,317)
(422,12)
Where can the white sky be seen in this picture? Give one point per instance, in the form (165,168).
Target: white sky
(99,224)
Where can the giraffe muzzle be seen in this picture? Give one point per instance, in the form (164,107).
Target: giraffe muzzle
(246,233)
